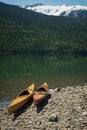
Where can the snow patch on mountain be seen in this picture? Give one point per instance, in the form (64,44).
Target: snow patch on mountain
(63,10)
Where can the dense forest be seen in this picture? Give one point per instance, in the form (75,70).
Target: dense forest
(24,31)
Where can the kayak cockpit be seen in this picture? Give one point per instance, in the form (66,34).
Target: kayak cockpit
(24,93)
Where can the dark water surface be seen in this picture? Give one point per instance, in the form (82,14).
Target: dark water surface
(17,72)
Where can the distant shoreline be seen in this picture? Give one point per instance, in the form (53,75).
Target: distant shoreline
(83,53)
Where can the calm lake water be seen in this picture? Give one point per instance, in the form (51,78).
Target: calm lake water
(17,72)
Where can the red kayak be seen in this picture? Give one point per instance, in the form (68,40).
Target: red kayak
(40,94)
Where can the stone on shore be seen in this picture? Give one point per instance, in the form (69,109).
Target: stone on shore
(65,110)
(53,117)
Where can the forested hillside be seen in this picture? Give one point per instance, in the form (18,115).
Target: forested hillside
(24,31)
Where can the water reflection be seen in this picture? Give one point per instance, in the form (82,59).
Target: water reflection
(19,71)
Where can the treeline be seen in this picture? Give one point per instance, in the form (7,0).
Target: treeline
(24,31)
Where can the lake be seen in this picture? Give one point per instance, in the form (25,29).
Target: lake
(17,72)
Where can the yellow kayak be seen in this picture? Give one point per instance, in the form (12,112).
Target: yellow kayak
(21,99)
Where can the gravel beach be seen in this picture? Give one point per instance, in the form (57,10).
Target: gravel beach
(65,109)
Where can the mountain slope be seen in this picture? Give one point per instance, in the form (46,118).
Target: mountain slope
(25,31)
(64,10)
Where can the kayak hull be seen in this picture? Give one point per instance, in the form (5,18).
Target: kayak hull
(40,94)
(21,99)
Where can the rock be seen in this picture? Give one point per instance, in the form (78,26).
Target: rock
(85,128)
(69,88)
(49,100)
(57,89)
(38,123)
(53,117)
(84,113)
(67,125)
(30,122)
(51,91)
(63,89)
(43,127)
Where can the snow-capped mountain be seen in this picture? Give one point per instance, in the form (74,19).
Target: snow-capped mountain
(63,10)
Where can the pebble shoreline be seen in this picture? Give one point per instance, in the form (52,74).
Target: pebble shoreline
(65,109)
